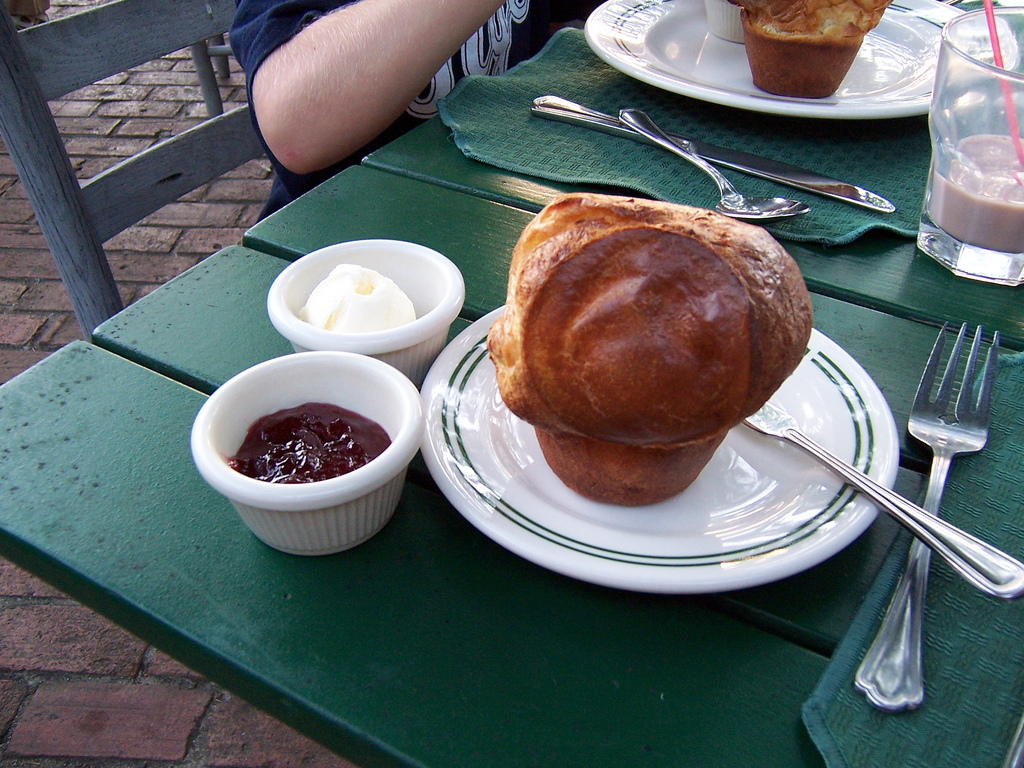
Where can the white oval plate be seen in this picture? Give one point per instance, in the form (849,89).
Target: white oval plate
(760,511)
(668,45)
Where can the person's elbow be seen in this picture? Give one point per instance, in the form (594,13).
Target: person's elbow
(296,132)
(288,139)
(292,149)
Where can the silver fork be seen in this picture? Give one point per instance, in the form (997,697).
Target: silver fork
(890,674)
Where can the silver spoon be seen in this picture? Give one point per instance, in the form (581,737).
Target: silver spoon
(733,203)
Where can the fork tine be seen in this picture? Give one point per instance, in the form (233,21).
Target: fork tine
(975,404)
(988,380)
(923,401)
(949,375)
(924,390)
(966,399)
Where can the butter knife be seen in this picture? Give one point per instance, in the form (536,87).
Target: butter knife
(563,110)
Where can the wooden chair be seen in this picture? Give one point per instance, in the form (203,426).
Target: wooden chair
(51,60)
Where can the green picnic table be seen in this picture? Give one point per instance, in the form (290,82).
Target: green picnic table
(430,645)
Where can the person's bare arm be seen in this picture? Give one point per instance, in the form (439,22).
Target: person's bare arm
(350,74)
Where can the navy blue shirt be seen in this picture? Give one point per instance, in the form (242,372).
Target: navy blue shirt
(517,31)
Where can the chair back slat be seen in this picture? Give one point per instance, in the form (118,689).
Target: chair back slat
(78,50)
(144,183)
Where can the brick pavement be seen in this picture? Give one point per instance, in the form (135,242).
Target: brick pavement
(74,688)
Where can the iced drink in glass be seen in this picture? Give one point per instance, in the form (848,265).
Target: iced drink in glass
(973,215)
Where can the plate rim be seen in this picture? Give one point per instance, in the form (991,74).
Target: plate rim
(854,513)
(766,104)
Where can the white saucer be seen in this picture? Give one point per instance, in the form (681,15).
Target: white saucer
(760,511)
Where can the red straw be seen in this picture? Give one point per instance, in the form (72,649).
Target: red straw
(1011,112)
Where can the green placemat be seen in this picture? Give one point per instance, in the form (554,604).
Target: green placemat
(491,120)
(974,644)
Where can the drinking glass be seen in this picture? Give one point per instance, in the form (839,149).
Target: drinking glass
(973,216)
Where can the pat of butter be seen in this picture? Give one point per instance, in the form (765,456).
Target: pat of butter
(354,299)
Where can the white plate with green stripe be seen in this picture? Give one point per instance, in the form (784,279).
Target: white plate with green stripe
(760,511)
(667,44)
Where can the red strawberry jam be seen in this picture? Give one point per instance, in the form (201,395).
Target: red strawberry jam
(310,442)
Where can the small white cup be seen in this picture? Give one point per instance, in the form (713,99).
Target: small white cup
(724,20)
(326,516)
(432,282)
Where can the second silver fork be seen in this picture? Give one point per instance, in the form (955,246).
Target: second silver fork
(890,674)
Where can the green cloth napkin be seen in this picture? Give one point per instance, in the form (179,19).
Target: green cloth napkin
(491,121)
(974,644)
